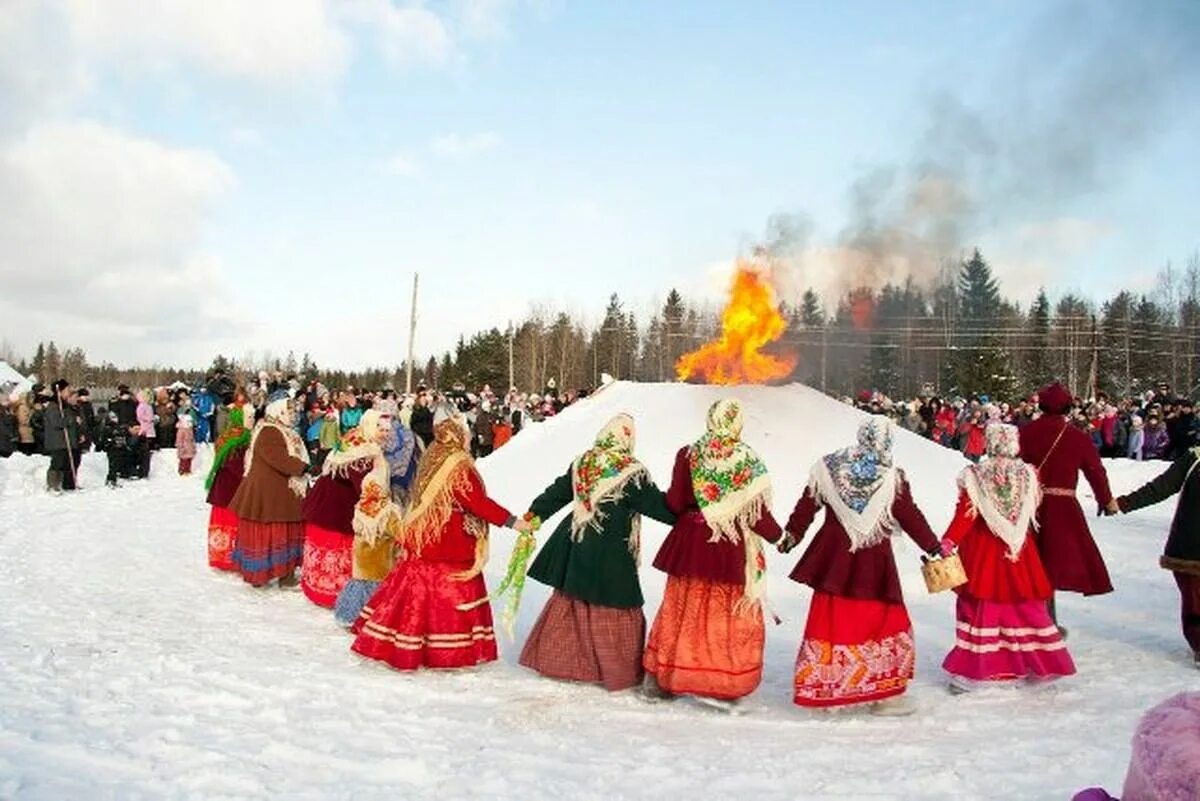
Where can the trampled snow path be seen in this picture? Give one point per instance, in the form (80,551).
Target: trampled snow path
(130,670)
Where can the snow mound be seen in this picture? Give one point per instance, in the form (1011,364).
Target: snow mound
(129,670)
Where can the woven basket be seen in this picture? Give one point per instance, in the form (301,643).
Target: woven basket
(944,574)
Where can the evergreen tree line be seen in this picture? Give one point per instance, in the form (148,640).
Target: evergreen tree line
(960,336)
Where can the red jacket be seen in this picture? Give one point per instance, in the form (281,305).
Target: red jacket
(991,575)
(867,574)
(455,545)
(1072,560)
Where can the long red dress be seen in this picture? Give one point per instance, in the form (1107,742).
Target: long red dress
(1073,562)
(700,644)
(1003,630)
(329,532)
(223,521)
(858,643)
(413,620)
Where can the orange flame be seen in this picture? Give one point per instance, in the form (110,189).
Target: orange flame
(750,321)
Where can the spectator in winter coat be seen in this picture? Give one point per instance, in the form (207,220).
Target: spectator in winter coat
(1107,429)
(351,413)
(1137,438)
(62,439)
(1181,429)
(8,428)
(1156,441)
(971,431)
(146,432)
(124,407)
(25,440)
(87,418)
(484,441)
(421,421)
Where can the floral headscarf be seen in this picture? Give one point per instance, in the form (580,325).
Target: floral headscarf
(602,473)
(858,484)
(1003,488)
(730,481)
(235,436)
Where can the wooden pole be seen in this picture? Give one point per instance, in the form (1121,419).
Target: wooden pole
(412,333)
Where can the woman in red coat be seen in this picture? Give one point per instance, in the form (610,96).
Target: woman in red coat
(1059,451)
(224,478)
(858,643)
(707,639)
(432,610)
(1004,631)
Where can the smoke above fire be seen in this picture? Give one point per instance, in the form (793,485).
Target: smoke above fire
(1086,93)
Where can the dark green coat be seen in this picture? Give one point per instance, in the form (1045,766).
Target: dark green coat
(599,569)
(1182,551)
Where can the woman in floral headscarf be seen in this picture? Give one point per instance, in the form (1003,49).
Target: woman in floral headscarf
(1004,630)
(432,610)
(707,640)
(592,629)
(858,643)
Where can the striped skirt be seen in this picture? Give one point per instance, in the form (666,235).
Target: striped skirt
(578,641)
(222,534)
(414,619)
(267,551)
(701,644)
(854,652)
(997,641)
(326,567)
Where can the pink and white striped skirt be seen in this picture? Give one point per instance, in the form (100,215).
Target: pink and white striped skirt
(998,642)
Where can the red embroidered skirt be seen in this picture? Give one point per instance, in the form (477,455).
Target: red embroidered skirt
(327,564)
(412,620)
(222,535)
(1006,641)
(266,551)
(699,644)
(578,641)
(854,652)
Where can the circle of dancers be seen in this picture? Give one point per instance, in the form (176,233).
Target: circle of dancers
(395,543)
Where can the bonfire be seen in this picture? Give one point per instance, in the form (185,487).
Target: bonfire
(751,321)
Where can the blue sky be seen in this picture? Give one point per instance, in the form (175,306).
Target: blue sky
(294,164)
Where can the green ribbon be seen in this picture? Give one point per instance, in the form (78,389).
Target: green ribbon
(514,580)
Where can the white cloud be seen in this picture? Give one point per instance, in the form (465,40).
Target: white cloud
(462,146)
(486,19)
(402,164)
(100,233)
(265,41)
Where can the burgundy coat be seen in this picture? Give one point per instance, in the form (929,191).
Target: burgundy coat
(330,501)
(687,551)
(868,574)
(1069,554)
(228,479)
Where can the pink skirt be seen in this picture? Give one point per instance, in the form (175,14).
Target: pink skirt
(327,564)
(998,641)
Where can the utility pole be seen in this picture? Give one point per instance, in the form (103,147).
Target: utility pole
(412,333)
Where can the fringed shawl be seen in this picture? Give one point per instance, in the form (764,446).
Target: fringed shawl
(1003,489)
(732,489)
(374,514)
(601,474)
(295,448)
(446,470)
(859,485)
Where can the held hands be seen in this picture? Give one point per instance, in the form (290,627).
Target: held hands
(1112,508)
(947,546)
(529,523)
(787,542)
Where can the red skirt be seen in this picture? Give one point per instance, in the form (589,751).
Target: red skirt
(327,564)
(1004,642)
(578,641)
(267,551)
(413,619)
(854,652)
(222,534)
(701,644)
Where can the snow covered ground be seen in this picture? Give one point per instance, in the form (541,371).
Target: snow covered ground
(130,670)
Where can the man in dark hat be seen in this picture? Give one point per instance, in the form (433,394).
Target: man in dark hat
(124,407)
(88,427)
(1059,451)
(61,438)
